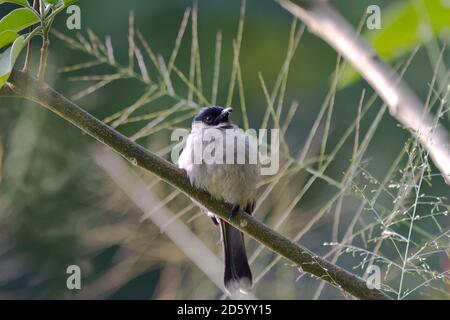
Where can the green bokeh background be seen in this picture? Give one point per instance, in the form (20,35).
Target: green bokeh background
(58,197)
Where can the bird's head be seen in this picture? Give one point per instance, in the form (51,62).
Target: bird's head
(213,116)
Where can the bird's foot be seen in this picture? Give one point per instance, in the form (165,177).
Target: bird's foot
(234,210)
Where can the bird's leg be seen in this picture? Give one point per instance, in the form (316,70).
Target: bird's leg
(234,210)
(214,220)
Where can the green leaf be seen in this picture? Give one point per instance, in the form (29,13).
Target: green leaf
(405,25)
(18,20)
(19,2)
(8,59)
(65,2)
(7,37)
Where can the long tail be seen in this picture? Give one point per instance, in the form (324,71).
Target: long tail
(237,271)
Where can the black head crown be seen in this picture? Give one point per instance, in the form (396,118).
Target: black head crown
(213,116)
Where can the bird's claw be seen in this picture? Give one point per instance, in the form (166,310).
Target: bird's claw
(234,210)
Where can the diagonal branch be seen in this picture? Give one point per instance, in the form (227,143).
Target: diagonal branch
(325,22)
(30,88)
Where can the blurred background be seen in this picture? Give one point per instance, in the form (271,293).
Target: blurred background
(346,195)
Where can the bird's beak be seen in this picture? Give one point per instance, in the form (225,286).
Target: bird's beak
(225,113)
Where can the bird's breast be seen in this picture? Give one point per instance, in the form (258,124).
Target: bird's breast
(233,182)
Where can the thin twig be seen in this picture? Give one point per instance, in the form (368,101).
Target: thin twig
(45,43)
(26,64)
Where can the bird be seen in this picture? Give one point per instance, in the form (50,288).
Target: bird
(234,183)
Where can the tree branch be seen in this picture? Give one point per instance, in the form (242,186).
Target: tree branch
(30,88)
(6,91)
(325,22)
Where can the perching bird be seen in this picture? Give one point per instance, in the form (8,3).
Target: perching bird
(234,183)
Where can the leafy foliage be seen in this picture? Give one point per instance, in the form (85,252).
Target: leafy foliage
(405,25)
(7,37)
(8,59)
(19,2)
(18,20)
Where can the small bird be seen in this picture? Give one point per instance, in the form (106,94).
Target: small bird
(234,183)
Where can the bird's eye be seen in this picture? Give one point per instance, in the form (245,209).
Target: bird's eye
(208,119)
